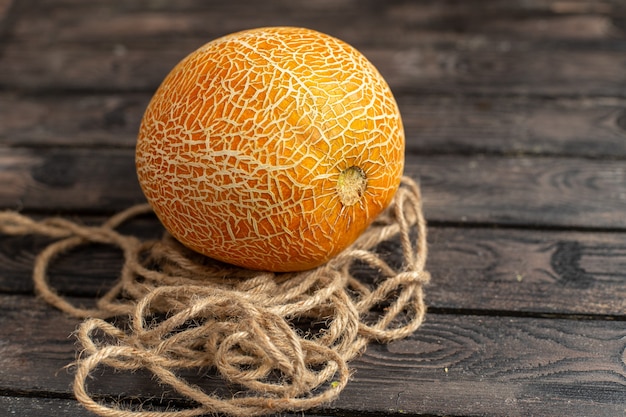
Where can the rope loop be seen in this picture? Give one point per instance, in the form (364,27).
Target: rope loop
(283,340)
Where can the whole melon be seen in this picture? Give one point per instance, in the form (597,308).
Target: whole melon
(271,149)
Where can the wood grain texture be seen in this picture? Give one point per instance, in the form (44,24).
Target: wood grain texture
(79,120)
(478,269)
(516,128)
(416,47)
(388,23)
(522,191)
(69,176)
(459,365)
(527,271)
(500,366)
(493,190)
(433,124)
(482,69)
(587,127)
(58,407)
(5,9)
(41,407)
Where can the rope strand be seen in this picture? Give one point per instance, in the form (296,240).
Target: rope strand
(187,311)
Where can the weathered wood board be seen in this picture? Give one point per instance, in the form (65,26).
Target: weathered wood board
(531,191)
(475,270)
(515,117)
(434,124)
(498,365)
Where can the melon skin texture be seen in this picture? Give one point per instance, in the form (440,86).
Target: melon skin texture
(271,149)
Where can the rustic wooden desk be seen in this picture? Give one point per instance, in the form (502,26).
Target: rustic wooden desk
(515,115)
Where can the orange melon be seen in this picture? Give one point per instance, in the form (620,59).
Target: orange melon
(271,149)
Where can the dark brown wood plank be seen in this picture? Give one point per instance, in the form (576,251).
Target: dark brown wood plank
(103,179)
(492,190)
(433,124)
(371,22)
(41,407)
(419,47)
(483,69)
(86,271)
(527,271)
(108,120)
(522,191)
(47,407)
(495,366)
(515,125)
(480,270)
(515,115)
(453,365)
(5,8)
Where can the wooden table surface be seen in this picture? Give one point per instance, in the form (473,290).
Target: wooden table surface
(515,116)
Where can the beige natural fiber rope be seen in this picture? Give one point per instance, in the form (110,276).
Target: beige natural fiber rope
(189,312)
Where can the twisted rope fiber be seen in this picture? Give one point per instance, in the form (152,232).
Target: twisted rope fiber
(189,312)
